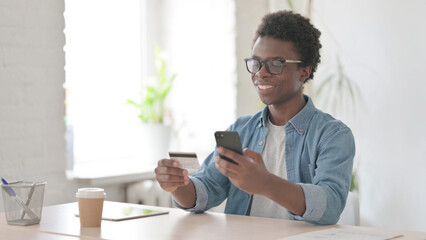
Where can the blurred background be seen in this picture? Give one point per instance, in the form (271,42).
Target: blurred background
(68,69)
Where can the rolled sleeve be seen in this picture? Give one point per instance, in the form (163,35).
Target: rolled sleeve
(325,196)
(201,197)
(316,203)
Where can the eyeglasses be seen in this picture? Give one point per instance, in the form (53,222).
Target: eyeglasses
(274,65)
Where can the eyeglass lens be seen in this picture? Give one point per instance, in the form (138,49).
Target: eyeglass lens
(274,66)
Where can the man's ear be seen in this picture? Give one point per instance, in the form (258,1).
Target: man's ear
(305,73)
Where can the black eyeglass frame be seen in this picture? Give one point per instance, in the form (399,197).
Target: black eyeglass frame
(266,63)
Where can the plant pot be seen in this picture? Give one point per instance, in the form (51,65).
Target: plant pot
(154,142)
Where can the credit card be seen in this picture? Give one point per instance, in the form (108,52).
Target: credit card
(187,160)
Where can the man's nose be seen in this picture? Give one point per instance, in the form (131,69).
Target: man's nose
(263,72)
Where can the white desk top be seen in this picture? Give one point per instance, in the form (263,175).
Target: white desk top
(178,224)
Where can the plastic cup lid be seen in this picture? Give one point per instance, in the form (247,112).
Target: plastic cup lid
(90,193)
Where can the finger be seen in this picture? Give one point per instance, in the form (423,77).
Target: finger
(255,156)
(172,185)
(238,158)
(172,179)
(168,163)
(226,167)
(226,172)
(161,170)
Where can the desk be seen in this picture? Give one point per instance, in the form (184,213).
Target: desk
(17,234)
(178,224)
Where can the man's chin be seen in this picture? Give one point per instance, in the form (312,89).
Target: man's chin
(265,100)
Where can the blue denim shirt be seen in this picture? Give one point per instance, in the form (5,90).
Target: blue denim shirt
(319,157)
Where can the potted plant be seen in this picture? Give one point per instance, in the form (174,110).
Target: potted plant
(155,133)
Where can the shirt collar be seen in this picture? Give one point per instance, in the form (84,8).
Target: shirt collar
(299,122)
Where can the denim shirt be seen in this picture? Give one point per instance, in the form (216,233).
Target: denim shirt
(319,157)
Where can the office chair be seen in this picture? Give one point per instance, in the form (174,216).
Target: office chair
(350,214)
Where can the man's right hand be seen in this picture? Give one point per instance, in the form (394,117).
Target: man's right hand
(170,176)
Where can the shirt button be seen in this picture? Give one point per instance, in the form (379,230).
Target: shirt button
(301,130)
(248,196)
(261,143)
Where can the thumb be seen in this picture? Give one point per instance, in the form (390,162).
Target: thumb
(255,156)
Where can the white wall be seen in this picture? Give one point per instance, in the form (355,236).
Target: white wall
(381,44)
(32,108)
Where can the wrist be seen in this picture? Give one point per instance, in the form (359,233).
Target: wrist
(268,184)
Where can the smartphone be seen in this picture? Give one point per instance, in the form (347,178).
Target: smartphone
(230,140)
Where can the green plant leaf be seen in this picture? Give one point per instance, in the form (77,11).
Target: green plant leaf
(290,5)
(151,109)
(354,183)
(131,102)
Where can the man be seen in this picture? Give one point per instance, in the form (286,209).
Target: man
(297,161)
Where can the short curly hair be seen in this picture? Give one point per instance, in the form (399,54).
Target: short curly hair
(292,27)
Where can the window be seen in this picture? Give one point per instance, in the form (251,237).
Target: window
(104,68)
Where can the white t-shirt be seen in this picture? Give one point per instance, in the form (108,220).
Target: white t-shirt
(274,158)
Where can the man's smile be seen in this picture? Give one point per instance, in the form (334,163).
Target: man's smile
(263,87)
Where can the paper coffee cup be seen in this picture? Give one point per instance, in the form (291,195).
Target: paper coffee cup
(90,205)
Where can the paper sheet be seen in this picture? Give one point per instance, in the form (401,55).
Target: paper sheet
(343,234)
